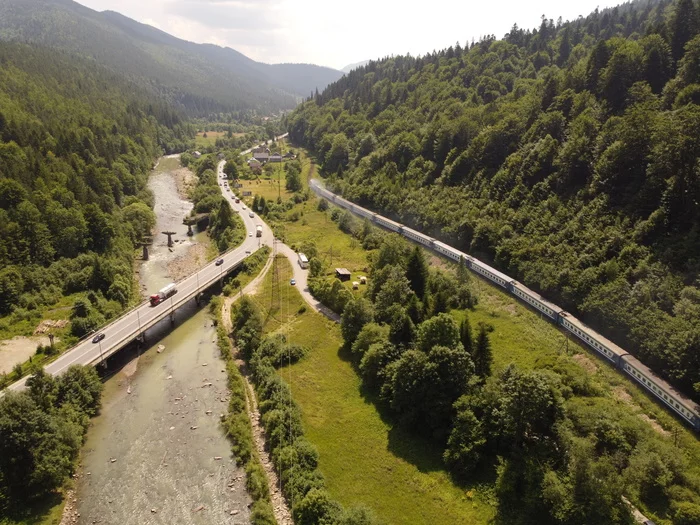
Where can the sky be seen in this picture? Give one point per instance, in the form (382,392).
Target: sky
(334,33)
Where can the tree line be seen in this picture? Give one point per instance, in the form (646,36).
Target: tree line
(41,432)
(293,456)
(224,225)
(76,145)
(565,155)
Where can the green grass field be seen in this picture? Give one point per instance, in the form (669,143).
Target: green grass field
(364,459)
(200,141)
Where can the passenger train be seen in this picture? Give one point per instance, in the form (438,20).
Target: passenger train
(685,408)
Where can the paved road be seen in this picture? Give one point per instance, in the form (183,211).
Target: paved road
(128,326)
(300,275)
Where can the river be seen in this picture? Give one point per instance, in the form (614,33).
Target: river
(157,452)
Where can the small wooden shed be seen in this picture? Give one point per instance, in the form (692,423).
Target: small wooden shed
(343,274)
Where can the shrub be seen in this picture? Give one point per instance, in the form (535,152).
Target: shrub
(262,513)
(256,482)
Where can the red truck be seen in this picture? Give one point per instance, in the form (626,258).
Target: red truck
(163,294)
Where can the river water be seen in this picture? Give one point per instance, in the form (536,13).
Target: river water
(157,453)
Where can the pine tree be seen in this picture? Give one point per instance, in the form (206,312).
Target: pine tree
(417,272)
(465,335)
(683,28)
(482,355)
(462,272)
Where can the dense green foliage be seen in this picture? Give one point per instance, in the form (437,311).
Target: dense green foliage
(566,155)
(226,227)
(41,432)
(202,79)
(294,458)
(561,452)
(239,430)
(76,145)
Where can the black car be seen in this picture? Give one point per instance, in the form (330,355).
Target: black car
(219,262)
(99,337)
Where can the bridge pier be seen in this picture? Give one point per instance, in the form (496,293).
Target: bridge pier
(170,238)
(172,317)
(190,233)
(145,252)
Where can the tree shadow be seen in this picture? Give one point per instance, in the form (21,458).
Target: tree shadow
(35,512)
(423,452)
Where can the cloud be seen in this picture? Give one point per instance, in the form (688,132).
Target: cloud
(337,33)
(225,14)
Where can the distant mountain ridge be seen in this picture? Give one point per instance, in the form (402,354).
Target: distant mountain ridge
(199,78)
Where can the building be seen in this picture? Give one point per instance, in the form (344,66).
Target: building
(343,274)
(289,156)
(254,163)
(261,154)
(275,157)
(303,261)
(196,154)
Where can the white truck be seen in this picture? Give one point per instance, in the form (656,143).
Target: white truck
(163,294)
(258,230)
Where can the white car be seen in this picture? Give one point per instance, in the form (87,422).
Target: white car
(243,206)
(251,214)
(250,234)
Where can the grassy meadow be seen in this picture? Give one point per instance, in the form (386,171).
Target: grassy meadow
(364,459)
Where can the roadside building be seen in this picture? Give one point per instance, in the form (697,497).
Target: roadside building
(275,157)
(261,154)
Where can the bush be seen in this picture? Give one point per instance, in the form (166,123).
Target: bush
(317,507)
(262,513)
(256,482)
(322,205)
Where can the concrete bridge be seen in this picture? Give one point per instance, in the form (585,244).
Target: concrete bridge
(134,323)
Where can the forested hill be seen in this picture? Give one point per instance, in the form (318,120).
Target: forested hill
(568,155)
(76,145)
(200,78)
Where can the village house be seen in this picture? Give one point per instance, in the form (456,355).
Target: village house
(275,157)
(261,154)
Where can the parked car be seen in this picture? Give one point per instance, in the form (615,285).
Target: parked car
(250,234)
(99,337)
(219,262)
(293,282)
